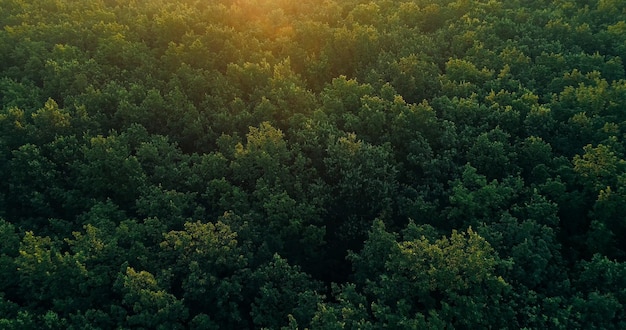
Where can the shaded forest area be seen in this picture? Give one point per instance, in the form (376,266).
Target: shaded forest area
(336,164)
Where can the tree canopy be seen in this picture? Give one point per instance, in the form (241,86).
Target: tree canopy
(339,164)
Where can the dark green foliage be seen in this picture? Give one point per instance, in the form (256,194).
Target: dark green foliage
(283,164)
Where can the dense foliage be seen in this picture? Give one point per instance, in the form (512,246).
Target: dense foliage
(337,164)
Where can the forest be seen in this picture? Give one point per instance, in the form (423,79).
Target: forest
(312,164)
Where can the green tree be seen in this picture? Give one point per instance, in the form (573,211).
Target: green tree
(204,261)
(363,177)
(32,175)
(108,169)
(492,155)
(601,295)
(151,306)
(282,293)
(422,282)
(9,250)
(474,200)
